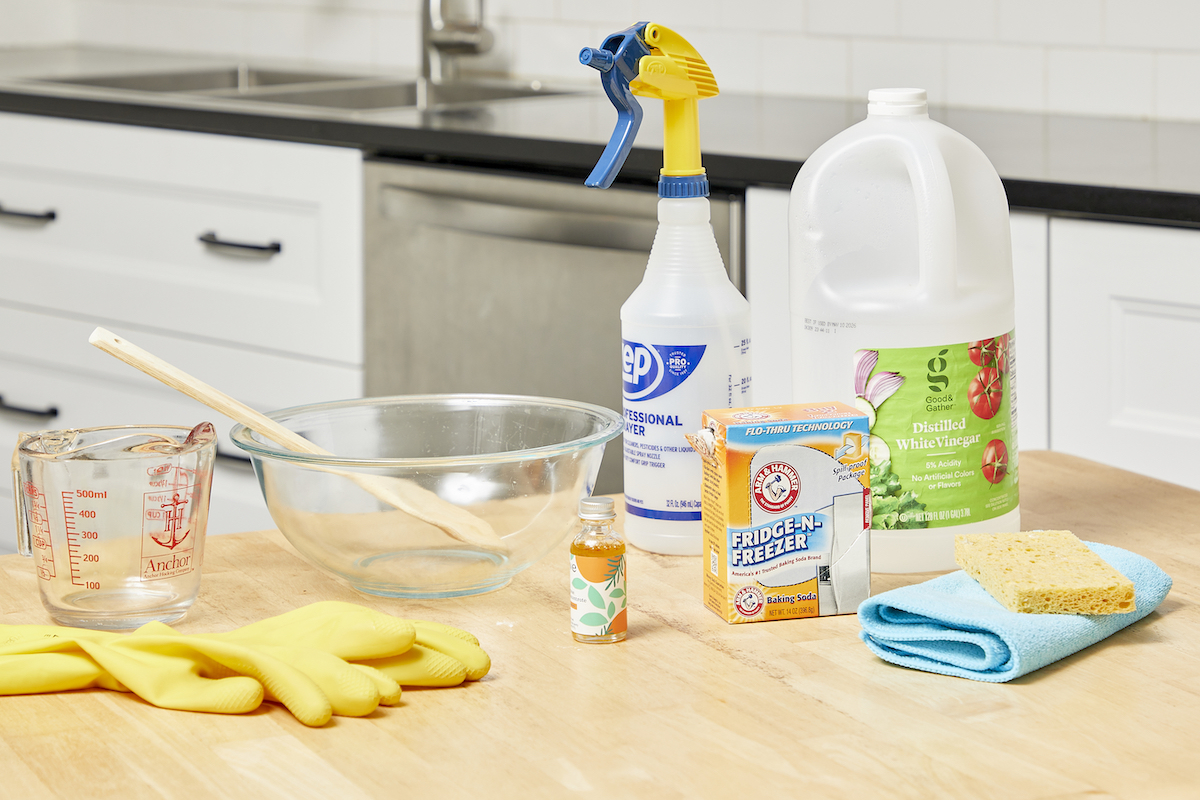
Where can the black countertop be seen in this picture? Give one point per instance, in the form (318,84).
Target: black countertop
(1119,169)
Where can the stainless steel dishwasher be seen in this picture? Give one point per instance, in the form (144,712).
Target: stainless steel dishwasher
(486,281)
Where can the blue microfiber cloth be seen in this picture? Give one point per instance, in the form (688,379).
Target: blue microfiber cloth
(952,626)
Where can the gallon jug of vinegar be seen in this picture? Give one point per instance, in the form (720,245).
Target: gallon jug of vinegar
(902,304)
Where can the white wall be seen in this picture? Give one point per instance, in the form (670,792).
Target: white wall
(1128,58)
(24,23)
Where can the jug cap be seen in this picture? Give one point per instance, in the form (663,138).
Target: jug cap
(897,102)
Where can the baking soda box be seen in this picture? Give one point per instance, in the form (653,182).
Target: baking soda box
(786,504)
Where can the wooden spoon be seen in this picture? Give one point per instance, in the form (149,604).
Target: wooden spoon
(397,492)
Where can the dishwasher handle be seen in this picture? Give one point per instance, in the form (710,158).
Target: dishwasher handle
(565,226)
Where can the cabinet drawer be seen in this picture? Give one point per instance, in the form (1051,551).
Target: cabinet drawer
(110,221)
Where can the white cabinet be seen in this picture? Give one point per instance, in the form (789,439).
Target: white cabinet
(119,215)
(106,225)
(1031,282)
(1125,317)
(767,290)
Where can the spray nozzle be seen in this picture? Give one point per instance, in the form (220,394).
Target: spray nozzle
(653,61)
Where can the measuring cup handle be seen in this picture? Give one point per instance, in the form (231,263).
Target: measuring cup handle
(24,540)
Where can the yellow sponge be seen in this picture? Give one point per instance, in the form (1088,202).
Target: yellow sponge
(1043,572)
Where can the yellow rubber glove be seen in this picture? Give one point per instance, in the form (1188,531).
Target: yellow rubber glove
(456,643)
(350,691)
(53,672)
(192,674)
(413,653)
(322,659)
(45,659)
(345,630)
(441,656)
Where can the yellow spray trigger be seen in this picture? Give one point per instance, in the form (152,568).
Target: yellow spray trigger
(677,74)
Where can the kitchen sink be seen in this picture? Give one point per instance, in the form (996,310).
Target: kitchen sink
(396,94)
(239,78)
(312,89)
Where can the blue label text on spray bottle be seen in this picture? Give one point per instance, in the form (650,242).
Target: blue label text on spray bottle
(655,422)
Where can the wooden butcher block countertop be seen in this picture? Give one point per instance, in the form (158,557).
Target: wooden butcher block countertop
(688,706)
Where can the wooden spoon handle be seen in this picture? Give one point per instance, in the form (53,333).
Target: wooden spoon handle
(215,399)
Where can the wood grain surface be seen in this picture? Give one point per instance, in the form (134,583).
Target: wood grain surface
(687,706)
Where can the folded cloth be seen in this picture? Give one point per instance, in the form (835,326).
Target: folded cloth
(951,625)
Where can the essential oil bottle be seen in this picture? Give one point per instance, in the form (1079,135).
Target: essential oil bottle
(598,602)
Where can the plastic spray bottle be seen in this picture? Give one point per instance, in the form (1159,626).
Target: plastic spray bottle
(686,328)
(902,303)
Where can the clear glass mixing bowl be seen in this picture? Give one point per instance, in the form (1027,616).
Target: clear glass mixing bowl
(434,495)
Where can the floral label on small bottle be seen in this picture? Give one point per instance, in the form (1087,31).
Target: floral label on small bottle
(598,594)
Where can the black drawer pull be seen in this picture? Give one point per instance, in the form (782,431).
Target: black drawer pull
(267,249)
(44,413)
(233,458)
(43,216)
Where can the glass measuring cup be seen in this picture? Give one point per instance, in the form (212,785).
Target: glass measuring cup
(114,518)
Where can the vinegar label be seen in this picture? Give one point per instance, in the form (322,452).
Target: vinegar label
(943,432)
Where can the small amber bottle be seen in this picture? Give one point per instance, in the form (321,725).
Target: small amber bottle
(598,612)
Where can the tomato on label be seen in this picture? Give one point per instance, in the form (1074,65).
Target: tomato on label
(985,393)
(1004,348)
(983,352)
(990,352)
(995,461)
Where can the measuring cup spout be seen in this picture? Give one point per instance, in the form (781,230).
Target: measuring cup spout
(201,434)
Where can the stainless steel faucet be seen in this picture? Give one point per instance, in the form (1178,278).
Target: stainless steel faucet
(450,28)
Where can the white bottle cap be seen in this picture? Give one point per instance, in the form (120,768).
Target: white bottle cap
(897,102)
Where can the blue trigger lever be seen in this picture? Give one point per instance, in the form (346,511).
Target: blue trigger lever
(617,60)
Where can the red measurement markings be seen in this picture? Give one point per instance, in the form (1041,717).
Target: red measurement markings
(74,557)
(39,518)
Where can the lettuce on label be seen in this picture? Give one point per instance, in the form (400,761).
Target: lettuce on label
(892,508)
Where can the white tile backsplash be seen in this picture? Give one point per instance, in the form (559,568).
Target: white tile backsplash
(996,75)
(1123,58)
(1116,83)
(339,36)
(885,63)
(853,17)
(948,20)
(276,32)
(1177,85)
(23,23)
(810,66)
(1152,24)
(392,38)
(551,48)
(1052,22)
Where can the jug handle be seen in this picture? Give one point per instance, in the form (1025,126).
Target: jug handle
(937,230)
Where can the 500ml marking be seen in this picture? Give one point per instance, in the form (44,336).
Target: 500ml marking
(77,524)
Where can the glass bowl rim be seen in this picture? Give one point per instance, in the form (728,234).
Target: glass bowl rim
(614,424)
